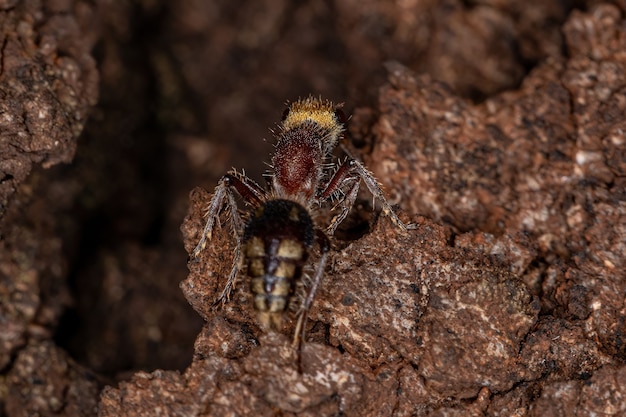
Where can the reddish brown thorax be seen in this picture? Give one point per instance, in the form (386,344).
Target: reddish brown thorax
(298,163)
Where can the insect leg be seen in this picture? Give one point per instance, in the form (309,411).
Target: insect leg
(352,170)
(374,187)
(212,214)
(237,227)
(337,183)
(299,334)
(249,191)
(252,194)
(346,205)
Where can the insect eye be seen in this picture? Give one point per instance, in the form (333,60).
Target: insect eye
(341,116)
(285,114)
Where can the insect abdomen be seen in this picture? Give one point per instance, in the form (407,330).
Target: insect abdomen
(277,240)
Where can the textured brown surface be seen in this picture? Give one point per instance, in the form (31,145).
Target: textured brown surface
(46,382)
(49,80)
(508,299)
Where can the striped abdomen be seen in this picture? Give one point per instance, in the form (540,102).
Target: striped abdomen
(277,241)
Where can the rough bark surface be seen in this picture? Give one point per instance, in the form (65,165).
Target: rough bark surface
(498,128)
